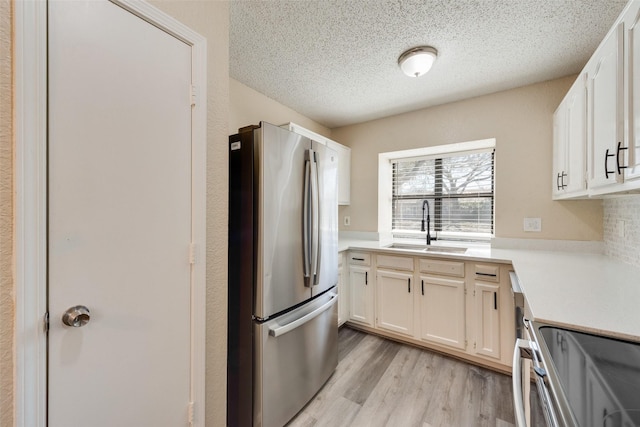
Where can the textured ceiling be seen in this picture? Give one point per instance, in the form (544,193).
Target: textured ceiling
(336,61)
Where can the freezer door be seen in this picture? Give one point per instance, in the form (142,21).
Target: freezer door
(296,353)
(327,166)
(280,176)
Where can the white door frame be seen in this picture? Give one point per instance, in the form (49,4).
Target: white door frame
(30,181)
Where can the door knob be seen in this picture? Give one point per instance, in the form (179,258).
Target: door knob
(77,316)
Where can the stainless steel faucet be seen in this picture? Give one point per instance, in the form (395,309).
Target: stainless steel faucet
(426,202)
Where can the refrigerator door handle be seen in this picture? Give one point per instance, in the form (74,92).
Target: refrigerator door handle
(306,226)
(281,330)
(315,220)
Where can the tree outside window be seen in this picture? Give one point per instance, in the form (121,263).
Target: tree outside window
(459,189)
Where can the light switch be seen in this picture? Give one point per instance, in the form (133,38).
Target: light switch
(533,224)
(347,221)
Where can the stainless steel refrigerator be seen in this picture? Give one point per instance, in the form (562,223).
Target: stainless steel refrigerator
(283,272)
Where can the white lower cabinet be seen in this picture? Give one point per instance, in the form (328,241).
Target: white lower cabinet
(361,295)
(487,320)
(361,287)
(343,291)
(442,311)
(395,301)
(454,305)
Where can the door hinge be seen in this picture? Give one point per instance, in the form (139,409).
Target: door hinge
(193,94)
(192,253)
(190,413)
(45,322)
(474,345)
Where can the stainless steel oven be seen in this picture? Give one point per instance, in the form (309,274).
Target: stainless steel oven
(582,379)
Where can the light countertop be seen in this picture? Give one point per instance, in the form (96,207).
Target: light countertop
(584,291)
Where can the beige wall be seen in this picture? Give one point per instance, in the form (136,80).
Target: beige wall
(521,122)
(6,218)
(211,19)
(249,107)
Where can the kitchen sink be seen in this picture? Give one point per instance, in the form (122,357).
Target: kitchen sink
(425,248)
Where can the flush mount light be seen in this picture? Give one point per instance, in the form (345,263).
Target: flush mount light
(417,61)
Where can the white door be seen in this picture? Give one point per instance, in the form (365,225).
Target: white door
(120,218)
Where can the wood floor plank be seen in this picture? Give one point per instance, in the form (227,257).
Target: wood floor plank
(346,374)
(371,371)
(502,423)
(440,411)
(341,413)
(303,419)
(383,383)
(349,339)
(392,391)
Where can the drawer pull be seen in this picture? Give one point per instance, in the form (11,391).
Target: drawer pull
(358,259)
(486,274)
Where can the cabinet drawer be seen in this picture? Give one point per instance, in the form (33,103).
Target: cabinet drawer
(395,262)
(487,273)
(447,268)
(359,258)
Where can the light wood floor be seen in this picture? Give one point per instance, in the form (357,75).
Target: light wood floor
(383,383)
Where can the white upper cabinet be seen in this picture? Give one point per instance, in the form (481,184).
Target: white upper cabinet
(612,131)
(605,136)
(632,82)
(344,171)
(344,160)
(569,143)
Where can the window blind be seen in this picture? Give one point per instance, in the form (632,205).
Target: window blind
(459,189)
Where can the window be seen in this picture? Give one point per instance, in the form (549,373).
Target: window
(458,188)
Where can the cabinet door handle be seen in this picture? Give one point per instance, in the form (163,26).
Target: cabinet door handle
(558,181)
(606,161)
(366,277)
(620,148)
(562,184)
(422,287)
(495,300)
(409,285)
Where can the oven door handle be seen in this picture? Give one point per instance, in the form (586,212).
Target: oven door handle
(522,349)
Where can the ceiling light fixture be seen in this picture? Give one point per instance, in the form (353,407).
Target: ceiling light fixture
(417,61)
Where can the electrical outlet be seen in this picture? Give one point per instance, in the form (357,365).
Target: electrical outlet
(347,221)
(533,224)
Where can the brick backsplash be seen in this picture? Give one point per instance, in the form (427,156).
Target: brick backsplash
(625,248)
